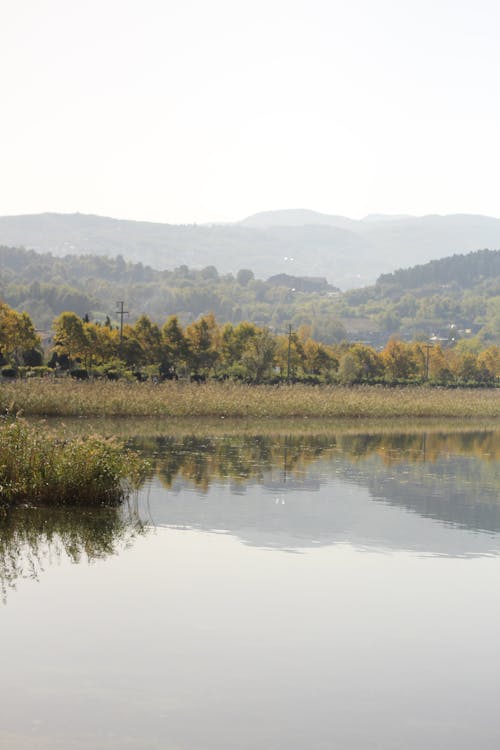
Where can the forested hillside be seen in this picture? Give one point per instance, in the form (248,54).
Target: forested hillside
(45,285)
(450,298)
(454,297)
(465,271)
(348,253)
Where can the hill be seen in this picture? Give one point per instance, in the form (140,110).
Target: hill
(348,253)
(449,298)
(465,270)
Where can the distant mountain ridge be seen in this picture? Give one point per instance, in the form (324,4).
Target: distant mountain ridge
(350,253)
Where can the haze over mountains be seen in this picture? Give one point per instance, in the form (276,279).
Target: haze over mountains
(349,253)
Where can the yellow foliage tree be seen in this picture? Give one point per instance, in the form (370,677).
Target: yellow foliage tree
(17,333)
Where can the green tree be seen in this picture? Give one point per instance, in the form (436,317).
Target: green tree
(244,276)
(258,356)
(360,363)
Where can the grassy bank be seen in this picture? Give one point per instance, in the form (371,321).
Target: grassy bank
(41,467)
(61,398)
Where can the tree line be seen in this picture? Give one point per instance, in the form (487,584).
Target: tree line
(247,352)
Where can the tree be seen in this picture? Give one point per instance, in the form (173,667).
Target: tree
(17,333)
(234,341)
(175,347)
(360,363)
(489,359)
(201,337)
(149,338)
(290,355)
(440,369)
(258,356)
(102,343)
(244,276)
(399,361)
(318,359)
(70,337)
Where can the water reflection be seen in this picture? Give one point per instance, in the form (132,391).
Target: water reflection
(200,637)
(31,538)
(203,460)
(434,493)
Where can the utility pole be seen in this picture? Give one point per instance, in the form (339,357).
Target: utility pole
(121,314)
(289,353)
(428,347)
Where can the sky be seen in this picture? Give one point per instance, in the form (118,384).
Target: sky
(187,111)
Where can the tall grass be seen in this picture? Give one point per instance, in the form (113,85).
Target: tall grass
(41,468)
(121,399)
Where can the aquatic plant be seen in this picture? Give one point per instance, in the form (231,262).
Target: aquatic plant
(42,467)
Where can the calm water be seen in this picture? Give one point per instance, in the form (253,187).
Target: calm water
(263,592)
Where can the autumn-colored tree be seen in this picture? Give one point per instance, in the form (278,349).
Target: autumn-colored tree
(318,359)
(17,333)
(202,337)
(175,347)
(399,360)
(290,355)
(489,359)
(101,344)
(440,364)
(70,337)
(149,337)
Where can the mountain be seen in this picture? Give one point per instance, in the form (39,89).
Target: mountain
(349,253)
(296,217)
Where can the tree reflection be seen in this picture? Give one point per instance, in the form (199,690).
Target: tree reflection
(202,460)
(32,537)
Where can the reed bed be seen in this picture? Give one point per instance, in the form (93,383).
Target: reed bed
(40,467)
(66,398)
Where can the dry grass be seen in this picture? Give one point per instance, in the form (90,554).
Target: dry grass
(66,398)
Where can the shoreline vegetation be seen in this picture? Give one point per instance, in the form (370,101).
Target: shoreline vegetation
(43,467)
(176,399)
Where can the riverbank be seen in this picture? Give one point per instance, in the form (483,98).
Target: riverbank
(66,398)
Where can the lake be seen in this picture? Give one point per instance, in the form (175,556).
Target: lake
(265,590)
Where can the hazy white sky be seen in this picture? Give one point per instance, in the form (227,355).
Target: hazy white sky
(209,110)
